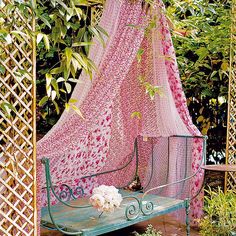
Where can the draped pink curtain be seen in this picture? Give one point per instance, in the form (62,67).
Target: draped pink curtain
(104,139)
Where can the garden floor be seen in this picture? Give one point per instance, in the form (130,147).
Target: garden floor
(166,224)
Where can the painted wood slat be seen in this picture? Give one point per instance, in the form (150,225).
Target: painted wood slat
(87,219)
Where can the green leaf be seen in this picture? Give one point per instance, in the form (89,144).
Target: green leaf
(53,95)
(81,34)
(39,37)
(55,86)
(136,114)
(7,108)
(63,91)
(68,55)
(99,28)
(17,32)
(68,87)
(44,20)
(86,39)
(66,72)
(63,5)
(200,118)
(46,42)
(73,100)
(48,79)
(97,34)
(48,90)
(139,54)
(202,53)
(60,79)
(224,66)
(72,70)
(81,60)
(214,73)
(43,101)
(75,80)
(70,13)
(56,70)
(75,64)
(79,12)
(33,4)
(81,3)
(2,70)
(81,44)
(92,64)
(77,110)
(56,107)
(159,90)
(67,107)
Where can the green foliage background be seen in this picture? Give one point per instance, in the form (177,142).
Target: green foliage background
(64,33)
(201,36)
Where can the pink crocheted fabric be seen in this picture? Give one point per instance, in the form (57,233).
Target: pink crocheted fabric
(104,139)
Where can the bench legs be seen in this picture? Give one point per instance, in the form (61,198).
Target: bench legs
(187,206)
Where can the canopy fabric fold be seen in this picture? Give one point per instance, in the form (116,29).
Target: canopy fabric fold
(104,139)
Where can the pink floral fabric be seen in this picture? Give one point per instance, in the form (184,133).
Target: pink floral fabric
(181,105)
(104,140)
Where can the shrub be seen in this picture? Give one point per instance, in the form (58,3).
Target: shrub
(220,214)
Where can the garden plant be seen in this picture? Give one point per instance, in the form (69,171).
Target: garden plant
(220,214)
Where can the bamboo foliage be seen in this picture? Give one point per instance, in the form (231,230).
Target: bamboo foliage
(230,182)
(17,123)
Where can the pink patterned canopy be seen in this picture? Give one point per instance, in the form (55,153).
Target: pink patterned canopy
(104,139)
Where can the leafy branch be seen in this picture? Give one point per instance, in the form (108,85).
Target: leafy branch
(63,35)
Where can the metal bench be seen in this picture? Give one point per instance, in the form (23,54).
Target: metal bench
(76,217)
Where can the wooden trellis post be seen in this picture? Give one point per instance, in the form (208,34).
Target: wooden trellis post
(230,180)
(17,123)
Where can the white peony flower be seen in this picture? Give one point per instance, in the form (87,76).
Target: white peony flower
(106,198)
(97,200)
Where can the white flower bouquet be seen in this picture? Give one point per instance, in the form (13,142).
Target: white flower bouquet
(105,198)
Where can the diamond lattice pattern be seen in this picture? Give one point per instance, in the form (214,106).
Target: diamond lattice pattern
(96,14)
(17,119)
(231,155)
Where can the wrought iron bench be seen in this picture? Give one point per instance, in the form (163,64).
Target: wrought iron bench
(74,216)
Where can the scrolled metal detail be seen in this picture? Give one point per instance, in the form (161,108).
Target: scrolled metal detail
(67,193)
(132,211)
(147,207)
(64,196)
(79,192)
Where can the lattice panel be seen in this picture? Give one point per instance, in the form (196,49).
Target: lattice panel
(17,129)
(96,13)
(231,129)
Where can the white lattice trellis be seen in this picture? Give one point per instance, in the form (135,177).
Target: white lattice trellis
(230,181)
(96,12)
(17,129)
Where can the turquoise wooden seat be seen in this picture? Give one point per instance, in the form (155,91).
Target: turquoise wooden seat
(86,221)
